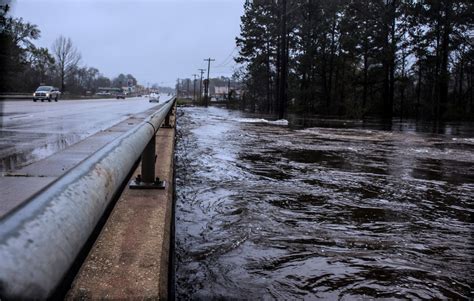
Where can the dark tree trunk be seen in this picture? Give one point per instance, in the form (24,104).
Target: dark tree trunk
(437,85)
(343,80)
(336,84)
(61,75)
(284,64)
(278,78)
(331,64)
(461,80)
(471,85)
(365,83)
(444,73)
(268,78)
(402,86)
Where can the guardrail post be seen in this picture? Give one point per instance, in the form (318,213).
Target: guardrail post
(167,123)
(148,161)
(147,180)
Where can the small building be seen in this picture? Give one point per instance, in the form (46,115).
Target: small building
(129,89)
(221,93)
(108,91)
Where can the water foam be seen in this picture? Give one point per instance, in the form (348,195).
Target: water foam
(283,122)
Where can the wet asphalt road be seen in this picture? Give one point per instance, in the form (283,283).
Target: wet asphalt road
(30,131)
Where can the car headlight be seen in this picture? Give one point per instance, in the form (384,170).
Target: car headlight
(47,94)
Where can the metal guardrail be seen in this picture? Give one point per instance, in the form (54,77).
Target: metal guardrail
(40,240)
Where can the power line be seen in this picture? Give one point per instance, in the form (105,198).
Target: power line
(225,67)
(228,57)
(224,62)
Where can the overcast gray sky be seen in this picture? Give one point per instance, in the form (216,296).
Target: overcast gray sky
(157,41)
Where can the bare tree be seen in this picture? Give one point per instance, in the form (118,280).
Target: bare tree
(67,57)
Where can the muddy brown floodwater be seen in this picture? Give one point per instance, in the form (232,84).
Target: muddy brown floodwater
(266,211)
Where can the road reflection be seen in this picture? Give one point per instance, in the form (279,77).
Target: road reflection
(33,131)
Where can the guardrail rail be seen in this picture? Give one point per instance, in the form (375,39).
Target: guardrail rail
(40,240)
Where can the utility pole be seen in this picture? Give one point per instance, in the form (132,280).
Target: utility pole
(200,84)
(206,87)
(177,88)
(187,89)
(228,93)
(194,89)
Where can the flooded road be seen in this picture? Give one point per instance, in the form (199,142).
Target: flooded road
(269,212)
(30,131)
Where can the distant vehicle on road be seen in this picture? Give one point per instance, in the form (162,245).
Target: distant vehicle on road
(46,93)
(103,94)
(120,95)
(154,97)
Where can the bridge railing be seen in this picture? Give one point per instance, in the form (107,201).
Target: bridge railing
(40,240)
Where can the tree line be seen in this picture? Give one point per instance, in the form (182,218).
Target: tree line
(24,66)
(384,58)
(188,87)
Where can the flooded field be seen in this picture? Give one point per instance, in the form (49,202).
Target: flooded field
(268,211)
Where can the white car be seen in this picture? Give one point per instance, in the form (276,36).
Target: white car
(154,97)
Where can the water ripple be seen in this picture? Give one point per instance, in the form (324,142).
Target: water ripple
(268,212)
